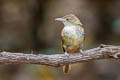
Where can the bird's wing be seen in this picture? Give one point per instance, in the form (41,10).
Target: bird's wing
(84,34)
(62,42)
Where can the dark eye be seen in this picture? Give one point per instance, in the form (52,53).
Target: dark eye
(67,19)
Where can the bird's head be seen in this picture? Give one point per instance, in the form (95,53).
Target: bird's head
(69,20)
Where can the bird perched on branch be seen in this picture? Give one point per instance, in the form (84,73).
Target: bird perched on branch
(72,36)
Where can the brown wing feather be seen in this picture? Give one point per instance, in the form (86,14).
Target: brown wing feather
(62,42)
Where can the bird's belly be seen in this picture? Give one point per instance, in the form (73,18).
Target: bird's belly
(72,38)
(72,35)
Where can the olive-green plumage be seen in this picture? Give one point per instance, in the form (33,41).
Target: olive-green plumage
(72,36)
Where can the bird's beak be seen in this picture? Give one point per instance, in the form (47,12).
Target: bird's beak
(60,19)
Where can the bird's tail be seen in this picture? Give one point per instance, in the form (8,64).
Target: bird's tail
(66,68)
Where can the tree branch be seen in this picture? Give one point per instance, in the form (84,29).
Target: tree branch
(56,60)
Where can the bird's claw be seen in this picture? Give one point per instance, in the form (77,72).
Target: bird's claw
(67,54)
(116,55)
(81,52)
(0,54)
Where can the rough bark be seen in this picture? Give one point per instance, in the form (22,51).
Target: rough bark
(56,60)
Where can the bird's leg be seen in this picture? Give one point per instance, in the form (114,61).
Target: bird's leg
(0,54)
(81,52)
(116,55)
(67,54)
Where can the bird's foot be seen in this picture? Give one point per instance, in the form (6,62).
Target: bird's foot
(81,52)
(0,54)
(116,55)
(67,54)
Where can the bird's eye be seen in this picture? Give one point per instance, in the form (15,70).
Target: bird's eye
(67,19)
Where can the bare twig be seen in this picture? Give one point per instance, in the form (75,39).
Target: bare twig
(56,60)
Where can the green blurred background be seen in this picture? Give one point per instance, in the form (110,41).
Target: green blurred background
(29,26)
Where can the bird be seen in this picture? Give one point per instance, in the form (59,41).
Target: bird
(72,36)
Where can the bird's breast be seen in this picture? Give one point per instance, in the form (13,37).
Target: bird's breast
(72,32)
(72,38)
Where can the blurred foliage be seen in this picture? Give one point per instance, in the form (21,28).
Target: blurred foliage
(116,26)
